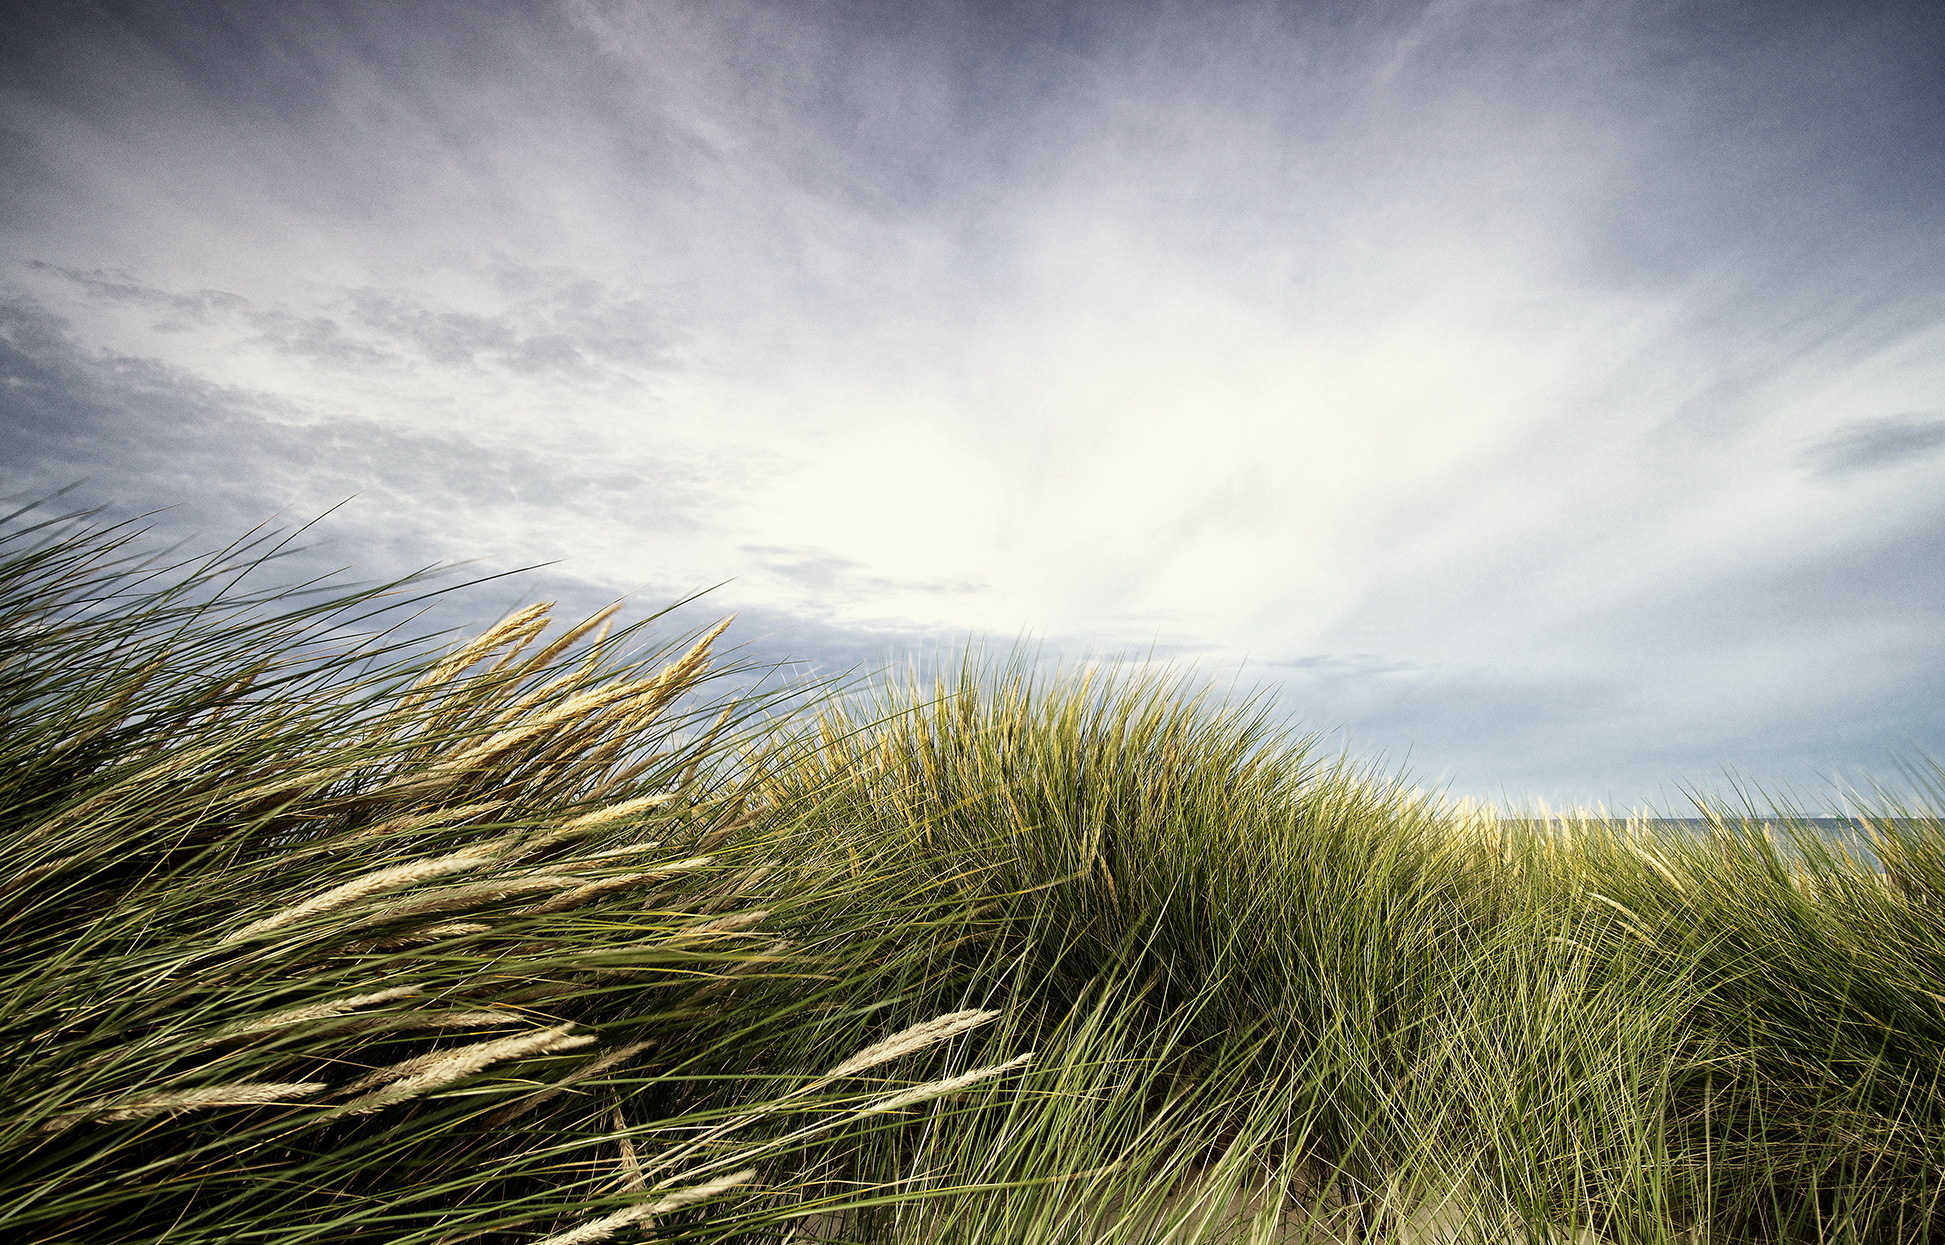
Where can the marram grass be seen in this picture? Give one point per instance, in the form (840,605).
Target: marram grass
(314,932)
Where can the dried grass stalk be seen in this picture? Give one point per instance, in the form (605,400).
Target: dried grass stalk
(240,1094)
(590,891)
(419,821)
(454,898)
(431,933)
(605,1227)
(906,1041)
(412,1077)
(506,631)
(614,812)
(951,1084)
(317,1011)
(718,928)
(375,883)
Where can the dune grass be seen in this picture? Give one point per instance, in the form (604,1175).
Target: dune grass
(314,931)
(1285,999)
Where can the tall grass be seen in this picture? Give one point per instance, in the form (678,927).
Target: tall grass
(314,932)
(1282,998)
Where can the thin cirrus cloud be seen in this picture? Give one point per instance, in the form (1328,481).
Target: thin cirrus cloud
(1543,394)
(1875,443)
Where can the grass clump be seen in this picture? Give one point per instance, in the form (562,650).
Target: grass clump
(1281,998)
(314,933)
(318,933)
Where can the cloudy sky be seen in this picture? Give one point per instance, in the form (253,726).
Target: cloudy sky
(1545,396)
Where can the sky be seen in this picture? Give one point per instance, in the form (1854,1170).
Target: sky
(1541,398)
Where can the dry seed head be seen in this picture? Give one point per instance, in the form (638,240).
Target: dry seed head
(614,1058)
(431,933)
(479,755)
(413,1077)
(443,1020)
(535,697)
(614,812)
(371,884)
(951,1084)
(515,645)
(591,891)
(419,821)
(292,782)
(474,896)
(606,886)
(574,633)
(632,1177)
(130,788)
(597,1229)
(241,1094)
(583,703)
(318,1011)
(476,757)
(427,1020)
(28,877)
(689,1197)
(566,752)
(726,925)
(605,1227)
(656,692)
(916,1038)
(495,636)
(698,655)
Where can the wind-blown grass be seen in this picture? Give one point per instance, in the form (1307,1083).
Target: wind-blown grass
(317,933)
(1279,997)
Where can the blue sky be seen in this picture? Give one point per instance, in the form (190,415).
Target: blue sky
(1547,397)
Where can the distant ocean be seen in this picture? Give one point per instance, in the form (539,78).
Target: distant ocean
(1831,825)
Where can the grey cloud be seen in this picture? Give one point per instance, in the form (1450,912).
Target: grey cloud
(1820,659)
(448,337)
(318,338)
(148,436)
(1870,444)
(179,311)
(835,577)
(804,568)
(559,322)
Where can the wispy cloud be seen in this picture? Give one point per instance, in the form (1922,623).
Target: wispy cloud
(1873,443)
